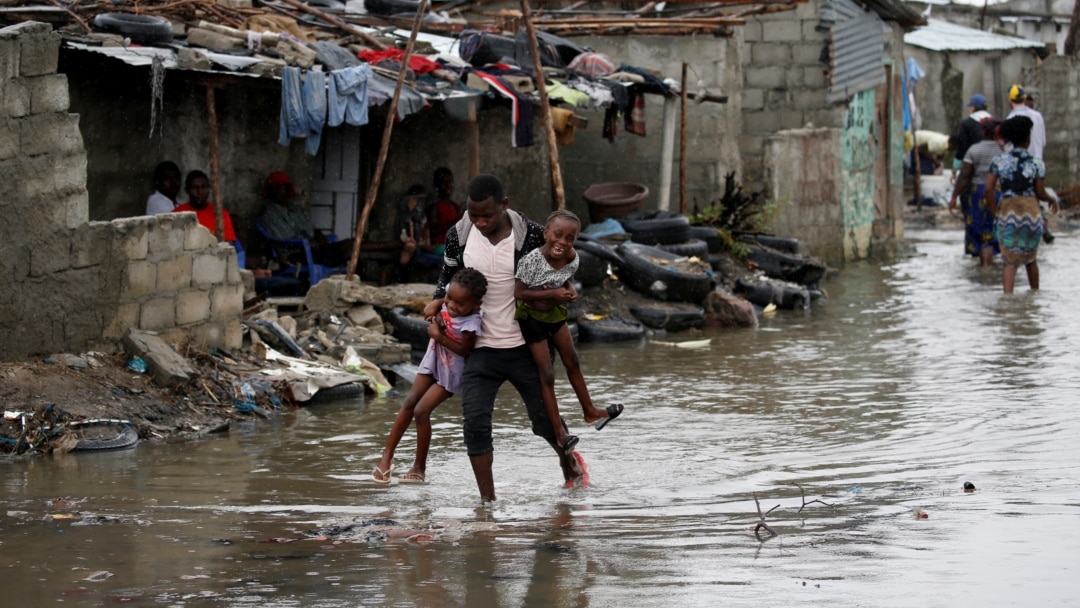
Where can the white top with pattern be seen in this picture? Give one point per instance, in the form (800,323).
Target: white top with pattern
(535,271)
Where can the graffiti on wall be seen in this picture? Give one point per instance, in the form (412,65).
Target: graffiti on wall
(858,149)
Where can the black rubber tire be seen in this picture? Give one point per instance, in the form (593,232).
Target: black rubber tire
(408,329)
(391,7)
(669,317)
(689,249)
(709,235)
(591,270)
(348,390)
(142,29)
(656,227)
(782,295)
(779,243)
(610,329)
(126,438)
(599,249)
(640,272)
(804,270)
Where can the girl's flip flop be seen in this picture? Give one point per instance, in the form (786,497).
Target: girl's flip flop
(381,476)
(613,412)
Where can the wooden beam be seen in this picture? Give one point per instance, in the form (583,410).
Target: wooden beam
(545,108)
(384,148)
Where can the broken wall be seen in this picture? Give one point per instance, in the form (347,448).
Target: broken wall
(804,172)
(1059,102)
(71,284)
(784,82)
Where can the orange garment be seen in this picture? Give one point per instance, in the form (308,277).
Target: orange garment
(206,218)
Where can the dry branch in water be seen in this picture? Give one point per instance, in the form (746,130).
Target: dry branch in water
(804,501)
(761,520)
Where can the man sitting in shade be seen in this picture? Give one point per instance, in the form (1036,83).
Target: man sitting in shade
(284,220)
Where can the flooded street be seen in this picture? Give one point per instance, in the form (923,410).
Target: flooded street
(873,407)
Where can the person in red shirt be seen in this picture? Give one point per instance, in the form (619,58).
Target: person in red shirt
(197,186)
(444,212)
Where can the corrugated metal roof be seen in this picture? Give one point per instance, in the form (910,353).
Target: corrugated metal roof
(857,51)
(938,35)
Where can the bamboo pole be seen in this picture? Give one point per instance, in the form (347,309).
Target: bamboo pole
(388,129)
(682,143)
(215,164)
(545,108)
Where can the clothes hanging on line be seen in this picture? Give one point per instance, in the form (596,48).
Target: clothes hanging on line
(303,108)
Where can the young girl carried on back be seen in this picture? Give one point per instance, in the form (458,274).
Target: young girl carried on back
(453,335)
(543,290)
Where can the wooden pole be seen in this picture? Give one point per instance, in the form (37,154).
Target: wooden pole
(388,129)
(215,165)
(545,108)
(472,130)
(682,143)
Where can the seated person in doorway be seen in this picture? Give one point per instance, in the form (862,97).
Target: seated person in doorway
(444,212)
(284,220)
(167,186)
(417,251)
(197,186)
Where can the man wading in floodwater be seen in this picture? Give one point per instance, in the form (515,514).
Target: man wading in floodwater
(492,239)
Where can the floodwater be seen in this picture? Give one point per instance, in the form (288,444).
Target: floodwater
(872,408)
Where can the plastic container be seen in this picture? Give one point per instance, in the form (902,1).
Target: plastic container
(613,199)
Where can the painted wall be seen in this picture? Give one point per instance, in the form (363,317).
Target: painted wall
(858,152)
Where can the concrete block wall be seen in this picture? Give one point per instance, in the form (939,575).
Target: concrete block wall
(712,128)
(804,171)
(784,82)
(1059,102)
(71,284)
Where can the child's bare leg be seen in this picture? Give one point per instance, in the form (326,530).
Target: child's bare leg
(422,415)
(564,343)
(404,418)
(1033,275)
(542,357)
(1008,278)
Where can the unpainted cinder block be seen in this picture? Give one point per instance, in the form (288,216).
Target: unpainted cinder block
(48,93)
(174,273)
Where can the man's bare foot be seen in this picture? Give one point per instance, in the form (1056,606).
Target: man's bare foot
(575,471)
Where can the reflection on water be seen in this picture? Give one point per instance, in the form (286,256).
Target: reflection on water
(909,380)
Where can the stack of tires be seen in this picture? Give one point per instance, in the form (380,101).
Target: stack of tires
(791,279)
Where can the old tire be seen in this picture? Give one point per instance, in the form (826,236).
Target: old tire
(349,390)
(409,328)
(782,295)
(126,437)
(644,272)
(656,227)
(804,270)
(691,248)
(591,270)
(709,235)
(598,248)
(669,317)
(142,29)
(610,329)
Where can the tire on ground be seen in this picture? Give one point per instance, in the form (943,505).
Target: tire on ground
(691,248)
(610,329)
(644,274)
(656,227)
(127,437)
(669,317)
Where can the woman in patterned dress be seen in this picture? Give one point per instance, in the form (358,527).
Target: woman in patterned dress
(979,239)
(1018,219)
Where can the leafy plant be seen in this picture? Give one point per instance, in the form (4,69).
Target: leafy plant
(735,211)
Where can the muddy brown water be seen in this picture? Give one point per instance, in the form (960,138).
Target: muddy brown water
(878,403)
